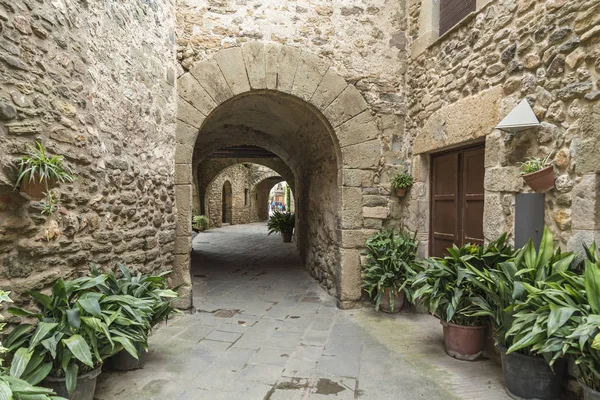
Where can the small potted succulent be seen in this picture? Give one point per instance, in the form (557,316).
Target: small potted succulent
(387,274)
(200,223)
(538,173)
(402,182)
(283,222)
(38,173)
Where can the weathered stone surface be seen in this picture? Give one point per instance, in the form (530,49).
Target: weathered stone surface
(330,87)
(191,91)
(7,112)
(363,155)
(212,80)
(586,203)
(503,179)
(231,63)
(376,212)
(188,114)
(359,129)
(309,74)
(347,105)
(254,58)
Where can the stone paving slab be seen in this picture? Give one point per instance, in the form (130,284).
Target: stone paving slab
(286,340)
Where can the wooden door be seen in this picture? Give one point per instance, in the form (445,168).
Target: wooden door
(456,199)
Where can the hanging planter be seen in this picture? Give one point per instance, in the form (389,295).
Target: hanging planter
(538,174)
(402,182)
(35,189)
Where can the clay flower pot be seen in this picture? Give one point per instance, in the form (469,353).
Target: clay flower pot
(542,180)
(33,189)
(400,192)
(287,237)
(84,390)
(385,305)
(463,342)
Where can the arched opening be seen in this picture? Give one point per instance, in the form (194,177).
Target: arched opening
(227,204)
(293,105)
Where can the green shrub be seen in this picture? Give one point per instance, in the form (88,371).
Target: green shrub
(402,181)
(534,164)
(200,222)
(390,258)
(281,222)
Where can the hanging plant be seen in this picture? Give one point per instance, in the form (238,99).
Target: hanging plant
(402,182)
(538,173)
(38,173)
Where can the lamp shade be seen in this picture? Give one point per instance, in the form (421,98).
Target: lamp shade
(520,118)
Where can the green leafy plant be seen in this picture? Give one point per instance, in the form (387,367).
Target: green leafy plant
(78,327)
(14,388)
(51,203)
(444,285)
(200,222)
(390,259)
(534,164)
(281,222)
(506,287)
(402,181)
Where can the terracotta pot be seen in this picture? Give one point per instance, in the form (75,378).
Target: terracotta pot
(287,236)
(385,305)
(400,192)
(527,377)
(123,361)
(33,190)
(589,393)
(542,180)
(463,342)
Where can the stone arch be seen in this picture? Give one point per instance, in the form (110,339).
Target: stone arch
(309,82)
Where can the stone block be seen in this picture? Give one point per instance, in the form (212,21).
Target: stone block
(467,119)
(357,177)
(287,63)
(355,239)
(580,237)
(183,174)
(254,58)
(191,91)
(183,153)
(183,198)
(587,155)
(494,150)
(180,276)
(359,129)
(503,179)
(494,220)
(272,51)
(231,63)
(363,155)
(328,90)
(373,223)
(309,74)
(376,212)
(347,105)
(349,275)
(183,244)
(185,134)
(211,78)
(188,114)
(351,217)
(586,203)
(371,200)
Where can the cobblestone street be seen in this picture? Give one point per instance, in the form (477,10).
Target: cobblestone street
(265,330)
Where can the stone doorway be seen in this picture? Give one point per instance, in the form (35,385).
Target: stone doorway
(227,203)
(291,104)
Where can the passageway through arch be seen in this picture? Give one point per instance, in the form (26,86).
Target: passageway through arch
(294,105)
(226,203)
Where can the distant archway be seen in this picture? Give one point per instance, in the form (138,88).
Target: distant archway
(227,204)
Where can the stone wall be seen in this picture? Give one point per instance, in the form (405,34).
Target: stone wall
(464,83)
(242,177)
(93,81)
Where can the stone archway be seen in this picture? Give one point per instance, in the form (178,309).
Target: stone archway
(272,74)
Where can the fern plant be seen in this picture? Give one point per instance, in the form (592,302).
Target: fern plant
(402,181)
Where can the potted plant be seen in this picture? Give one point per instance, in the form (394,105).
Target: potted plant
(78,329)
(283,222)
(200,223)
(14,388)
(388,272)
(402,182)
(448,294)
(154,289)
(38,173)
(518,333)
(538,173)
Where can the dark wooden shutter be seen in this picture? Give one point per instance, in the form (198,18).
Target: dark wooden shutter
(457,199)
(453,11)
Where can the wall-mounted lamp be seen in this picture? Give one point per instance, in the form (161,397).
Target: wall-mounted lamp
(520,118)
